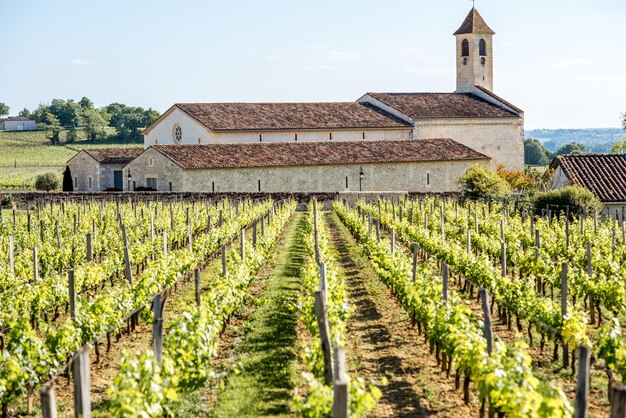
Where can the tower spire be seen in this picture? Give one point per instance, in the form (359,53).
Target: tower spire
(474,53)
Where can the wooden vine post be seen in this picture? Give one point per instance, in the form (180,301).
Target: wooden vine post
(254,234)
(242,251)
(564,309)
(378,230)
(12,256)
(341,403)
(35,265)
(316,234)
(445,278)
(393,241)
(224,266)
(414,270)
(197,285)
(324,328)
(128,267)
(48,400)
(484,297)
(80,363)
(158,306)
(323,282)
(88,249)
(618,400)
(581,403)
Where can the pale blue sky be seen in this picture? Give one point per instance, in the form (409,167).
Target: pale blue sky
(563,62)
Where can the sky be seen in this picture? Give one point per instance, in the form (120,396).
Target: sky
(562,61)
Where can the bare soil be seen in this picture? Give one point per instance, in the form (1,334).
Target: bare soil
(383,343)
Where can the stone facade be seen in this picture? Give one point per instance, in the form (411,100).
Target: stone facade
(88,175)
(85,172)
(474,69)
(433,177)
(502,139)
(195,133)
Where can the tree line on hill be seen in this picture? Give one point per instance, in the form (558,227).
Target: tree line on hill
(68,114)
(535,153)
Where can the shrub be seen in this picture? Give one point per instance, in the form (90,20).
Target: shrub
(480,182)
(6,200)
(47,182)
(576,197)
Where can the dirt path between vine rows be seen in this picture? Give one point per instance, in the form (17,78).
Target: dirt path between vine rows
(383,344)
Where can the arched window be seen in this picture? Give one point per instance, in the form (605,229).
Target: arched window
(482,48)
(465,48)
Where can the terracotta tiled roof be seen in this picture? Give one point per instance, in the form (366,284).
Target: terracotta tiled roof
(114,155)
(603,174)
(289,116)
(474,23)
(442,105)
(498,98)
(274,154)
(15,119)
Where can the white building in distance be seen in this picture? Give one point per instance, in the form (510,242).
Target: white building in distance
(416,142)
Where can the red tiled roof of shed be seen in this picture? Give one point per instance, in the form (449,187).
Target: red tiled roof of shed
(603,174)
(120,155)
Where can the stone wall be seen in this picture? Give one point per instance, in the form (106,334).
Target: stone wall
(502,139)
(433,177)
(83,168)
(24,199)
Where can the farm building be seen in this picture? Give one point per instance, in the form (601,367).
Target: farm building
(603,174)
(472,117)
(100,169)
(430,165)
(17,123)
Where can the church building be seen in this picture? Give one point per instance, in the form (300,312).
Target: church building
(416,142)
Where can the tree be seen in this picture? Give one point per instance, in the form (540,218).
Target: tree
(68,184)
(128,120)
(619,147)
(85,103)
(68,112)
(4,109)
(46,182)
(517,180)
(71,135)
(480,182)
(624,120)
(571,148)
(94,124)
(48,121)
(535,153)
(25,112)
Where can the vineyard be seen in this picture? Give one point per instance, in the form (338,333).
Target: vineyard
(370,307)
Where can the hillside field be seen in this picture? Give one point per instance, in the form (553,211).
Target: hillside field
(25,155)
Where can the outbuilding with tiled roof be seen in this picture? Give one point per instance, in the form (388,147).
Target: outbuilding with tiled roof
(97,169)
(603,174)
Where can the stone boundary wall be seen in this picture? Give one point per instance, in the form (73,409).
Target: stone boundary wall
(24,199)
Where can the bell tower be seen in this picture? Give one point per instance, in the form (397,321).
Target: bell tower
(474,54)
